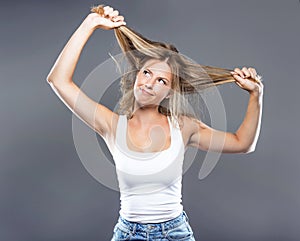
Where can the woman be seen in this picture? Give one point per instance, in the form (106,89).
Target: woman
(153,126)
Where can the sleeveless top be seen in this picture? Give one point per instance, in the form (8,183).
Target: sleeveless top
(150,182)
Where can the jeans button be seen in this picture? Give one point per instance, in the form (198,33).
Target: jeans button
(150,226)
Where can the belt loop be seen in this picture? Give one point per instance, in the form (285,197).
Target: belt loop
(134,229)
(163,228)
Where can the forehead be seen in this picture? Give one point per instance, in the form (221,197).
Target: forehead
(160,68)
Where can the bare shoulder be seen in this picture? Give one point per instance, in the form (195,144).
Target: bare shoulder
(189,123)
(188,126)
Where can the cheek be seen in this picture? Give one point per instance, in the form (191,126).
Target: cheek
(161,91)
(137,83)
(139,80)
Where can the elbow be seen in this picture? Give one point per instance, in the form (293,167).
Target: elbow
(53,76)
(246,146)
(49,81)
(57,79)
(249,149)
(49,78)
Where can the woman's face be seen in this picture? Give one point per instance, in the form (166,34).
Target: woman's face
(153,83)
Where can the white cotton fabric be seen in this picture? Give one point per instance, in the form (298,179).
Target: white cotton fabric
(150,183)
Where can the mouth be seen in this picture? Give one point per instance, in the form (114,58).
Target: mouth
(146,92)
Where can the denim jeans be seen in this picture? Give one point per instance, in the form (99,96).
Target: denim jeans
(174,229)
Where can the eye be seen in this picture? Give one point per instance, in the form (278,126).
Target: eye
(162,81)
(146,72)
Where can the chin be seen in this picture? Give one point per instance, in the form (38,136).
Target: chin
(143,104)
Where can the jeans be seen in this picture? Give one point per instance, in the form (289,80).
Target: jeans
(174,229)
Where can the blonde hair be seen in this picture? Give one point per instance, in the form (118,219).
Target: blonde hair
(188,77)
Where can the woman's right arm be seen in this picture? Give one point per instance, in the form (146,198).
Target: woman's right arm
(60,78)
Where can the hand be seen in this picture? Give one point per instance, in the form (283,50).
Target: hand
(105,18)
(248,79)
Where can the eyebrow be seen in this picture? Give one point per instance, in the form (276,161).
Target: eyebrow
(147,68)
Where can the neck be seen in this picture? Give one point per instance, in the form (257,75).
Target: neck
(146,114)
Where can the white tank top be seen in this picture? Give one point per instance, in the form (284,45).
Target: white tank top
(150,183)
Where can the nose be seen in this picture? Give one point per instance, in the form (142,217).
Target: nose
(149,85)
(150,82)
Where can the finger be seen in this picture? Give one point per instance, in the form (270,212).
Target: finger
(253,73)
(114,13)
(253,70)
(239,79)
(108,11)
(256,77)
(246,72)
(118,19)
(239,72)
(106,8)
(118,24)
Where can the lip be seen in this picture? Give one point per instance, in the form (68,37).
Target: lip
(145,92)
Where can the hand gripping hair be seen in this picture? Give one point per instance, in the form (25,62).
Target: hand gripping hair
(188,77)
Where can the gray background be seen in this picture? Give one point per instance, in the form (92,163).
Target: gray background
(46,193)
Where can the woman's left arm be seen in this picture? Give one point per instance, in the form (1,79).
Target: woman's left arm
(245,138)
(248,131)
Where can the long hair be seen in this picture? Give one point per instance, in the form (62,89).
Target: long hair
(188,77)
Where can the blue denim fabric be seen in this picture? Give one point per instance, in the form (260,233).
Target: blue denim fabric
(174,229)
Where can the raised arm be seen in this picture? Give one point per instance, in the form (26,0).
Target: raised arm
(245,138)
(60,78)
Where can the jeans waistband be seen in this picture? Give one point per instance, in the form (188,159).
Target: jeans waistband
(155,227)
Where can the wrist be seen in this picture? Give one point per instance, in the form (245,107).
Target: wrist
(88,24)
(258,91)
(256,94)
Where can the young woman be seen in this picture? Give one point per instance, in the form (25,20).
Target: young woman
(153,126)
